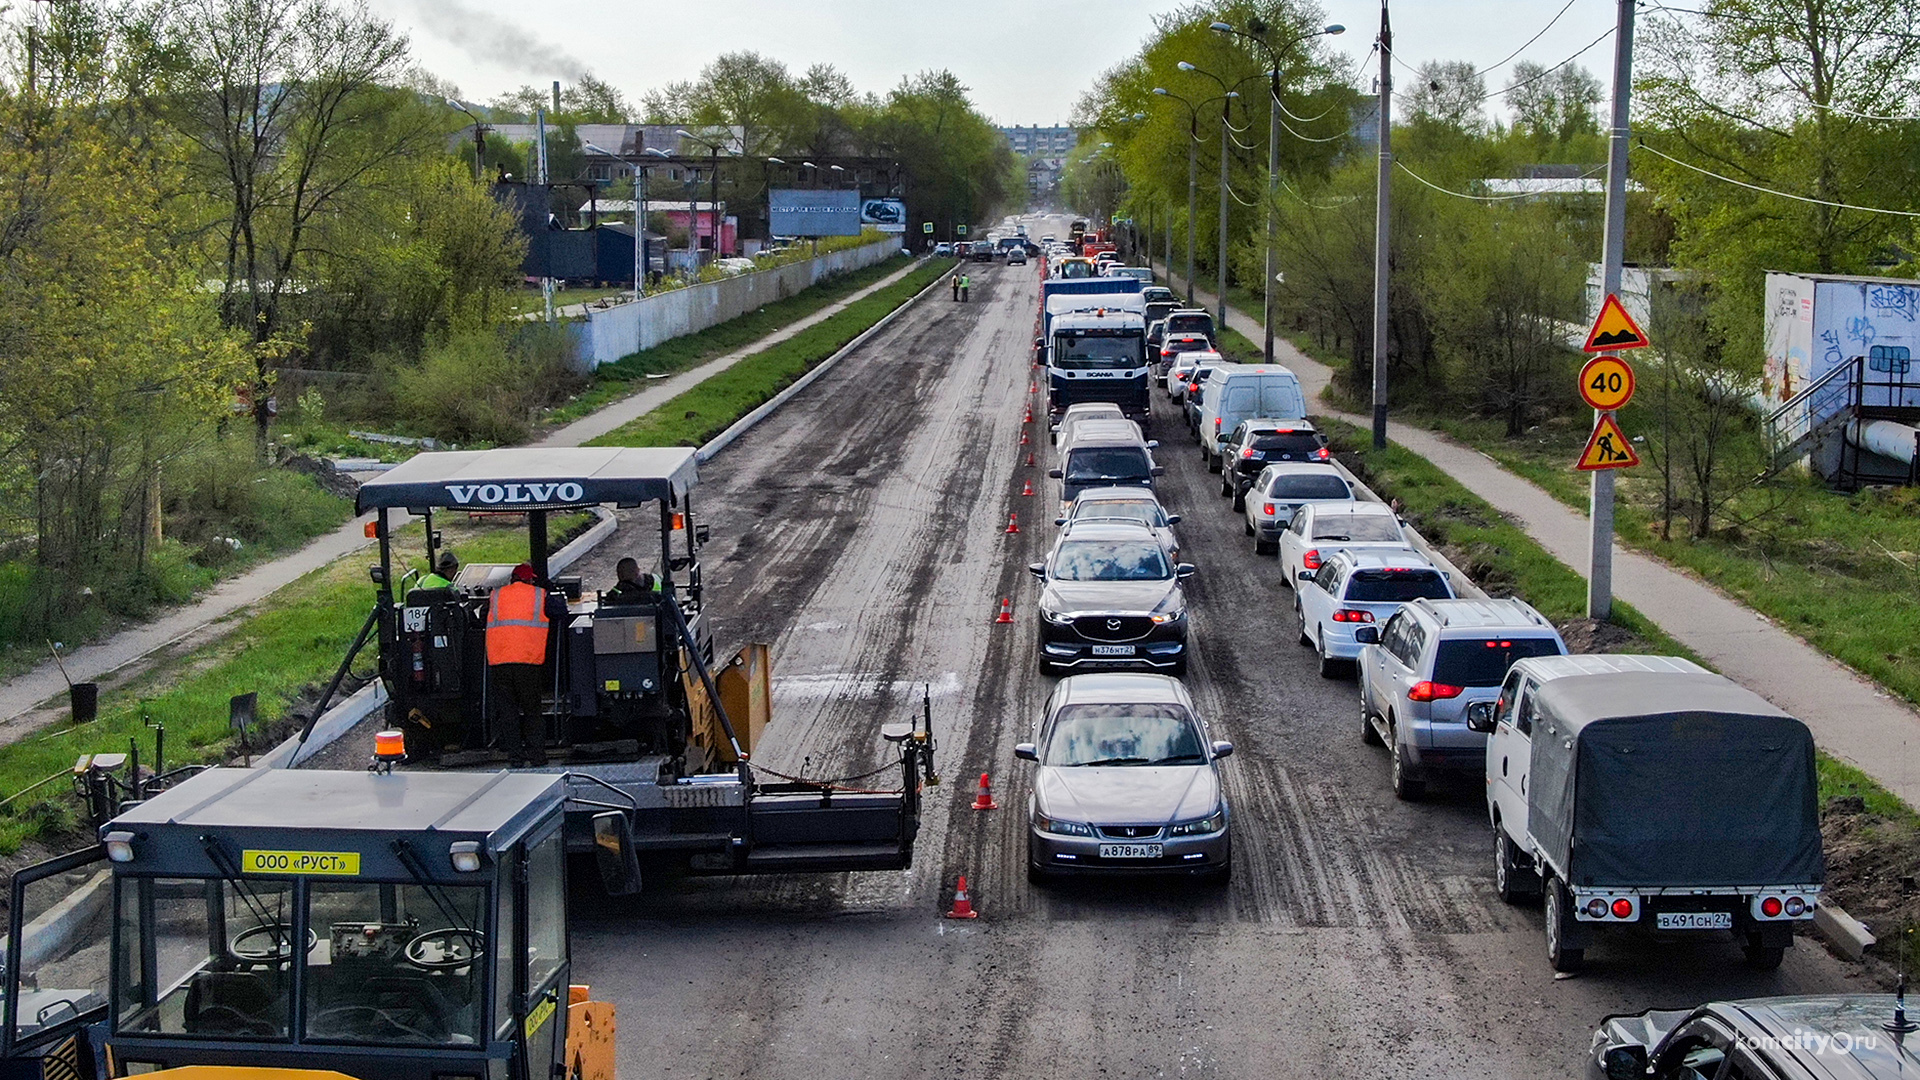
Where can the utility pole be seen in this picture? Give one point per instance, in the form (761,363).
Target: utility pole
(1612,255)
(1273,202)
(546,193)
(1193,187)
(1383,206)
(1222,260)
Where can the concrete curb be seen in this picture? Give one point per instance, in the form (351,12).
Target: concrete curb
(744,424)
(1848,935)
(341,719)
(49,936)
(1462,584)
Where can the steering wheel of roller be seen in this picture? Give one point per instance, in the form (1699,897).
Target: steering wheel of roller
(459,947)
(279,944)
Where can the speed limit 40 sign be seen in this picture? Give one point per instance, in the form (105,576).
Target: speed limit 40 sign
(1606,383)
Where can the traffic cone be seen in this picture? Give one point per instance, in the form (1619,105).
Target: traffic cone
(985,799)
(1024,440)
(1013,523)
(1029,418)
(1026,488)
(1006,610)
(962,906)
(1030,461)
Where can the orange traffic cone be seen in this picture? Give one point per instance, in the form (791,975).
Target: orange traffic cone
(1029,459)
(1029,418)
(1024,440)
(1026,488)
(962,906)
(1006,610)
(985,799)
(1013,523)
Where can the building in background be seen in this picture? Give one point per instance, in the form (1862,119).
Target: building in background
(1051,142)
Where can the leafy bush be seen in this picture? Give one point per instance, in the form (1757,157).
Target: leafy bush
(480,386)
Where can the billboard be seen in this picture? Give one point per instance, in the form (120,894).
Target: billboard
(824,212)
(887,215)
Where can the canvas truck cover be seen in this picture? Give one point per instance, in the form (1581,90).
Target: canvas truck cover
(1653,779)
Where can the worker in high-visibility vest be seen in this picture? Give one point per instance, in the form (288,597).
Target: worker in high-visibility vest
(518,624)
(445,569)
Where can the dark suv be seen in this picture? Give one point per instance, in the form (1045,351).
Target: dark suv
(1257,443)
(1112,599)
(1190,321)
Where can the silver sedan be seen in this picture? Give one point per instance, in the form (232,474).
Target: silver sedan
(1126,504)
(1128,782)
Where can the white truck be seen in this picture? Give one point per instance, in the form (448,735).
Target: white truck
(1636,790)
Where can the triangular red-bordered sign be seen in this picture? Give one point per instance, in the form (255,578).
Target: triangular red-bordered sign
(1607,448)
(1614,329)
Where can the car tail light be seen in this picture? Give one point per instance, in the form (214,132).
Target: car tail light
(1323,453)
(1311,560)
(1596,908)
(1796,907)
(1771,907)
(1352,615)
(1426,690)
(1622,908)
(1166,354)
(1216,423)
(1247,453)
(1267,509)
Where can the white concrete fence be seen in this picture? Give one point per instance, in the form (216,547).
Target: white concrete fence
(613,332)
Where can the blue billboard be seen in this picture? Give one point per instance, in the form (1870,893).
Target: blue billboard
(819,212)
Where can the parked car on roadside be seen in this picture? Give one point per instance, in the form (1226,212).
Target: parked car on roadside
(1352,589)
(1802,1037)
(1126,780)
(1420,669)
(1282,489)
(1126,504)
(1112,599)
(942,250)
(1188,369)
(1317,530)
(1258,442)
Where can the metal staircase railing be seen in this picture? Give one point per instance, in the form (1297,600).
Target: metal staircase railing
(1821,408)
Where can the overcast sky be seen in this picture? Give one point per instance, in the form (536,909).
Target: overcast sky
(1027,61)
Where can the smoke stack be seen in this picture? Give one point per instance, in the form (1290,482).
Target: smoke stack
(556,95)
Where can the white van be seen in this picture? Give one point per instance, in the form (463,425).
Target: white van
(1236,392)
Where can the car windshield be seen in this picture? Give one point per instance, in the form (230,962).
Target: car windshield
(1395,585)
(1091,463)
(1358,529)
(1097,352)
(1110,560)
(1484,661)
(1141,510)
(1308,486)
(1073,269)
(1190,324)
(1124,734)
(1298,442)
(1157,294)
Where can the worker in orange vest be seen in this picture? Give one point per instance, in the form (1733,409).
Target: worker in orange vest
(518,621)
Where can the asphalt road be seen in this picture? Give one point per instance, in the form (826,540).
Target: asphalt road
(862,530)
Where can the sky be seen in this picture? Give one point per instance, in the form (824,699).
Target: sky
(1026,61)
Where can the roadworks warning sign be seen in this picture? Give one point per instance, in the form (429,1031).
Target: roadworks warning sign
(1608,448)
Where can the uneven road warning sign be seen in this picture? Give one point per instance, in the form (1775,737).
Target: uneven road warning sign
(1614,329)
(1608,448)
(1606,383)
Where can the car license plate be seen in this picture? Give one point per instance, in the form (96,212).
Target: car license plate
(1130,851)
(1693,920)
(1113,650)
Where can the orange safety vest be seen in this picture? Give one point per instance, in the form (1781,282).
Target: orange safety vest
(517,624)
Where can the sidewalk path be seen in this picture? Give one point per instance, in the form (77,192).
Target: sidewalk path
(19,696)
(1852,717)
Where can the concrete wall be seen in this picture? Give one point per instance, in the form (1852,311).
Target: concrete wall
(614,332)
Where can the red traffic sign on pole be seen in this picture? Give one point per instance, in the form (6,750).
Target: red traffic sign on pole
(1607,447)
(1614,329)
(1606,383)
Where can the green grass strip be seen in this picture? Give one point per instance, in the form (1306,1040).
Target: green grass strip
(706,410)
(611,382)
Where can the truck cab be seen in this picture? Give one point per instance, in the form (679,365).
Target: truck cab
(1098,355)
(382,925)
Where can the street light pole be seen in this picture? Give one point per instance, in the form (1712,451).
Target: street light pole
(1193,180)
(1383,206)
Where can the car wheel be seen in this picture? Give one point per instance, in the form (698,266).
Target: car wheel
(1329,667)
(1559,914)
(1214,462)
(1247,525)
(1226,485)
(1239,500)
(1369,735)
(1514,883)
(1306,639)
(1036,875)
(1406,788)
(1221,878)
(1763,957)
(1265,547)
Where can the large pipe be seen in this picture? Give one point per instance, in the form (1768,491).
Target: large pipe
(1887,438)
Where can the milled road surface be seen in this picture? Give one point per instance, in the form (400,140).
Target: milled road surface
(862,531)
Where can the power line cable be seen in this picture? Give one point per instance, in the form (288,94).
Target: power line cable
(1774,191)
(1490,198)
(1896,35)
(1530,41)
(1536,78)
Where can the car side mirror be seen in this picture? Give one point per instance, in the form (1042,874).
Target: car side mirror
(1367,635)
(1038,343)
(1184,570)
(1627,1062)
(1059,521)
(1222,748)
(1173,519)
(1305,575)
(1480,719)
(1026,751)
(1153,444)
(1055,473)
(1157,470)
(1038,569)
